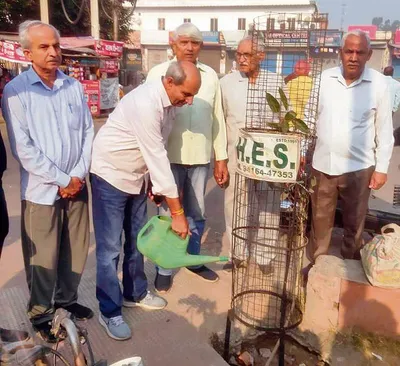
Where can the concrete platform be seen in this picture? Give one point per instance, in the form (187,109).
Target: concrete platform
(340,298)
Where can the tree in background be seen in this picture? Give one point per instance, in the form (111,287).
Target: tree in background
(14,12)
(386,25)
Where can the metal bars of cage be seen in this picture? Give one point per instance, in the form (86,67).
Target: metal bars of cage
(273,176)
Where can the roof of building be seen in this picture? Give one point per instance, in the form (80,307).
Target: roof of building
(221,3)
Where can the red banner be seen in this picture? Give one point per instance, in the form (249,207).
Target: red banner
(397,37)
(109,48)
(369,29)
(110,66)
(91,89)
(12,51)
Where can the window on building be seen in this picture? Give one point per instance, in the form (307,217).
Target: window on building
(291,23)
(270,24)
(214,25)
(161,23)
(242,24)
(186,20)
(282,26)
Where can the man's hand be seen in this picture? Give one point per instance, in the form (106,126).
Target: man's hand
(377,180)
(156,198)
(221,173)
(180,226)
(74,187)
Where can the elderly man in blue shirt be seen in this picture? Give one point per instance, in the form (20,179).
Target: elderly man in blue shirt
(50,131)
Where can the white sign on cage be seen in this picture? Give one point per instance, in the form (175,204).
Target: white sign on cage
(268,156)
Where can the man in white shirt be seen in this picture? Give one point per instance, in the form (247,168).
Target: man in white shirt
(353,148)
(198,128)
(130,144)
(394,87)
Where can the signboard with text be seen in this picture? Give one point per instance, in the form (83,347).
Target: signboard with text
(325,38)
(109,66)
(282,37)
(91,90)
(369,29)
(268,156)
(12,51)
(109,48)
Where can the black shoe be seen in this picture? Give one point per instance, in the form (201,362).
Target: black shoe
(44,331)
(11,335)
(78,311)
(204,273)
(163,283)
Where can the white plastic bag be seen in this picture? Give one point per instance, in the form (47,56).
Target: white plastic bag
(132,361)
(381,258)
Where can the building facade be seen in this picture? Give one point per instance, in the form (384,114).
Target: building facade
(223,23)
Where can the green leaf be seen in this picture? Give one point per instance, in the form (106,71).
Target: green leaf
(273,103)
(275,126)
(300,125)
(290,116)
(283,98)
(285,126)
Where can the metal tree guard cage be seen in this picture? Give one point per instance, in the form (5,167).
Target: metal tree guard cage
(273,176)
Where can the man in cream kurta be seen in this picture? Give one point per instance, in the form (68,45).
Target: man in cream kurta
(198,129)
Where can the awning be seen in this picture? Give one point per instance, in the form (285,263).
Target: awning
(76,42)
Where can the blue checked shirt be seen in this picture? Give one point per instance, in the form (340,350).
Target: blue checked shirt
(50,133)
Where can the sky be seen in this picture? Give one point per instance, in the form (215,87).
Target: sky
(358,12)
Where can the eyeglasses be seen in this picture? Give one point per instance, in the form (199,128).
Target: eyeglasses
(246,56)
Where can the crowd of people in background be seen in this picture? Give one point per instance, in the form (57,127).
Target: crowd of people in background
(159,144)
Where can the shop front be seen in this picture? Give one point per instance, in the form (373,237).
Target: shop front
(213,52)
(96,64)
(396,54)
(325,45)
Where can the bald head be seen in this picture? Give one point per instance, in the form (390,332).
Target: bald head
(388,71)
(182,82)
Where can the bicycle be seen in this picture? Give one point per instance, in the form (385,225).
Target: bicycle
(27,353)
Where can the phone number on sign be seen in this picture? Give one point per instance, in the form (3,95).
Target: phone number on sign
(267,173)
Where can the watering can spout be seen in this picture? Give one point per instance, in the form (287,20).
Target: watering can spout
(161,245)
(196,260)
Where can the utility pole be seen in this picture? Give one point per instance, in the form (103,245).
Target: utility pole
(94,19)
(115,15)
(44,11)
(343,16)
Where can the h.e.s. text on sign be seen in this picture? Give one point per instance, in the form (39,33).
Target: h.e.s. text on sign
(268,156)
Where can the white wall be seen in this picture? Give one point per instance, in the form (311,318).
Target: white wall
(227,17)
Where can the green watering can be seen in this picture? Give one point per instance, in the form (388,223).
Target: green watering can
(161,245)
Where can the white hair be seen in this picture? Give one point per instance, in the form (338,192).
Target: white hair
(357,33)
(257,43)
(188,30)
(176,72)
(26,26)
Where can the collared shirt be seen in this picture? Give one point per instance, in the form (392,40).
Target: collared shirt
(235,90)
(354,123)
(133,141)
(200,126)
(395,93)
(50,133)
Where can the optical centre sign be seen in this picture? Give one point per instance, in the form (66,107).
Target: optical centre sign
(268,156)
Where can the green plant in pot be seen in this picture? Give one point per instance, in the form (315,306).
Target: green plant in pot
(288,121)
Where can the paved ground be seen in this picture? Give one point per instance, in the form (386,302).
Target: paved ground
(175,336)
